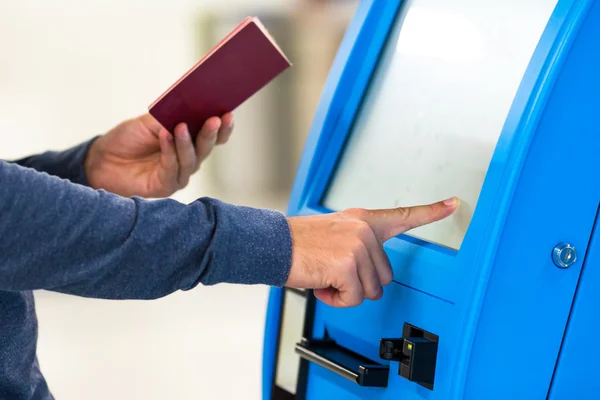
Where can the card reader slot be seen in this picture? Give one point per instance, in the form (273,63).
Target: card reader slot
(327,354)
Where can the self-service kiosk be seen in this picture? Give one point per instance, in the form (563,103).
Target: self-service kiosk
(497,103)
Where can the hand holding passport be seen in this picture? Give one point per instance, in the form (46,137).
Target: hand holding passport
(244,62)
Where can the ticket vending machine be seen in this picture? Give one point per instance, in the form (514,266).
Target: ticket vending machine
(498,103)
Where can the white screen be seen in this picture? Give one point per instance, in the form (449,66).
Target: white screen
(435,108)
(288,362)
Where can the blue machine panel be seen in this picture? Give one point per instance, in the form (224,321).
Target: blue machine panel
(576,374)
(496,102)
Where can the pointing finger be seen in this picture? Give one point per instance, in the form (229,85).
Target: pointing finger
(392,222)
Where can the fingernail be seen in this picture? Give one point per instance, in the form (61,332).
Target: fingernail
(186,135)
(169,138)
(450,202)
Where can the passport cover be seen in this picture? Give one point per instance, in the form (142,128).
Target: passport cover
(244,62)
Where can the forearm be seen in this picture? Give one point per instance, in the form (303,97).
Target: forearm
(69,238)
(67,164)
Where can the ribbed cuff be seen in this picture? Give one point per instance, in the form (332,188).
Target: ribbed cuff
(68,164)
(75,162)
(258,247)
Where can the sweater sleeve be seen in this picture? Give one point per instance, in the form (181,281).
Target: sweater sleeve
(60,236)
(67,164)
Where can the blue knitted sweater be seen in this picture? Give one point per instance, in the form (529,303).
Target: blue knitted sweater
(58,234)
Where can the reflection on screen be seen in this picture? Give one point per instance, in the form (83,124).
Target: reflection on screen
(435,108)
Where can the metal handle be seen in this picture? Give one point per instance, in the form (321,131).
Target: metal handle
(343,362)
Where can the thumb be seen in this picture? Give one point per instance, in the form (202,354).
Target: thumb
(392,222)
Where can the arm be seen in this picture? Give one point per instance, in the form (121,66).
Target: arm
(72,239)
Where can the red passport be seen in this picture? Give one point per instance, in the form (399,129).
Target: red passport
(244,62)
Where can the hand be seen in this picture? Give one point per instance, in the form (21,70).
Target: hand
(341,255)
(141,158)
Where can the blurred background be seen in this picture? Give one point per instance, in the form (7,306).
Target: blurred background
(72,69)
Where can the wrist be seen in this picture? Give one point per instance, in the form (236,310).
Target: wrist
(93,162)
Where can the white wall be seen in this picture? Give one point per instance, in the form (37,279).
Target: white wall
(70,69)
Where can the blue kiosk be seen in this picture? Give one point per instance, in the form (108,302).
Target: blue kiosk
(498,103)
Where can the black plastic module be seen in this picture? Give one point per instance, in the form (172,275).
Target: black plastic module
(416,352)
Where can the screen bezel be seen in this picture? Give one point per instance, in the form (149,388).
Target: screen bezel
(434,260)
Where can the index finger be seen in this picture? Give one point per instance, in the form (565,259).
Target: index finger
(388,223)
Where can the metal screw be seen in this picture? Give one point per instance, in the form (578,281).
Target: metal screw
(564,255)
